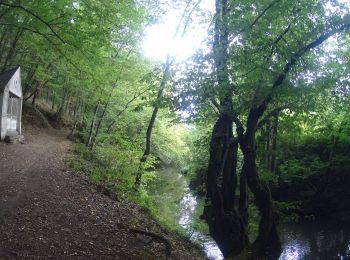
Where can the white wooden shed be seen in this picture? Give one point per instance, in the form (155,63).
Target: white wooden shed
(11,99)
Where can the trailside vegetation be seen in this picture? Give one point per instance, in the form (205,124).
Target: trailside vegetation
(257,120)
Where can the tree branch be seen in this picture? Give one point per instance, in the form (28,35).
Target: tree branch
(295,57)
(36,16)
(262,13)
(48,39)
(274,112)
(125,108)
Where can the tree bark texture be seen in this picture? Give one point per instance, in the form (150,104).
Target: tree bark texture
(226,225)
(267,241)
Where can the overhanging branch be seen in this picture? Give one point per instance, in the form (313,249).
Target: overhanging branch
(266,118)
(34,15)
(293,60)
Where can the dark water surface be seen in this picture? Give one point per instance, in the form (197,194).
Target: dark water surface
(315,240)
(324,240)
(307,240)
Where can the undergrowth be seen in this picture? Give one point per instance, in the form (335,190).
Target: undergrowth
(102,167)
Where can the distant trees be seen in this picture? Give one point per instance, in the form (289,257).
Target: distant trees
(74,52)
(82,62)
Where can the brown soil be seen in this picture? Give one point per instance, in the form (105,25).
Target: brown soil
(47,211)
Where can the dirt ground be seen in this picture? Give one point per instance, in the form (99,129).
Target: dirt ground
(47,211)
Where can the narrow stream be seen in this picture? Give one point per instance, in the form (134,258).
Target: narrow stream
(307,240)
(188,207)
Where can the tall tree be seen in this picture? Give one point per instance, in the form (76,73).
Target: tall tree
(256,72)
(182,25)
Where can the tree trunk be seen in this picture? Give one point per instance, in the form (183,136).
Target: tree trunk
(98,127)
(225,224)
(274,144)
(147,150)
(12,49)
(243,198)
(92,127)
(60,109)
(29,80)
(268,145)
(53,101)
(3,42)
(267,242)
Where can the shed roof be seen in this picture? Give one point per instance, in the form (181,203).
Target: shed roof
(6,76)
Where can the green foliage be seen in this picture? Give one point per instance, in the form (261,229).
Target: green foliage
(253,222)
(109,166)
(83,60)
(309,154)
(163,195)
(198,224)
(268,177)
(169,144)
(198,143)
(287,211)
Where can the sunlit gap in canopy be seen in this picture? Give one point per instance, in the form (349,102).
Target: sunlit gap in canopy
(159,38)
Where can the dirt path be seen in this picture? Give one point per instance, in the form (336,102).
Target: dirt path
(46,211)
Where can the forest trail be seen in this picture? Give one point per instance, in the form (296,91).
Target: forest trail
(46,211)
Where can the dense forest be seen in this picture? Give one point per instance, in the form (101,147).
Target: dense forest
(257,120)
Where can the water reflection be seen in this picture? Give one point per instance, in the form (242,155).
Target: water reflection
(315,240)
(307,240)
(188,206)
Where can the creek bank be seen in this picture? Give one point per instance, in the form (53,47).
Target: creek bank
(304,240)
(317,239)
(320,195)
(178,205)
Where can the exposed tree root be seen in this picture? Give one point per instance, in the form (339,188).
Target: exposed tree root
(156,237)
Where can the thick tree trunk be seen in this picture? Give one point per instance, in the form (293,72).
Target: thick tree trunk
(225,224)
(229,177)
(243,198)
(267,241)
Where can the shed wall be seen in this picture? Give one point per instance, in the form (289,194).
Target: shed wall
(14,84)
(5,96)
